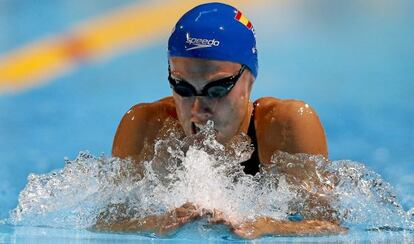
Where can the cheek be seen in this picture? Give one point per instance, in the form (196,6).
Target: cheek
(231,111)
(183,108)
(237,101)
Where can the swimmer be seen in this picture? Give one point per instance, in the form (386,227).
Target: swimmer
(212,67)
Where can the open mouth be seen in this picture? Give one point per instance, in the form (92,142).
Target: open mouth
(195,128)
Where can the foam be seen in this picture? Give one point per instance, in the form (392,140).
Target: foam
(200,170)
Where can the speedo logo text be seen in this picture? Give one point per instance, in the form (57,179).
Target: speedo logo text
(201,43)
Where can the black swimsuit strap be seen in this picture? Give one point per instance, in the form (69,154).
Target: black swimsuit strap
(251,166)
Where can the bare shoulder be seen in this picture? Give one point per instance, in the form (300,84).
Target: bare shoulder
(152,112)
(291,110)
(287,125)
(142,124)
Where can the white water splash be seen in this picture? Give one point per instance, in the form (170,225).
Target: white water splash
(365,199)
(202,171)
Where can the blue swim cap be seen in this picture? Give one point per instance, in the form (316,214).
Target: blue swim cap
(215,31)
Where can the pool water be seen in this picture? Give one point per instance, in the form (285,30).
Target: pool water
(190,233)
(350,60)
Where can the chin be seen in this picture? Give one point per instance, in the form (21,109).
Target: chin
(221,138)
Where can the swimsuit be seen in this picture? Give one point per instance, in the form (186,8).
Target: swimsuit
(251,166)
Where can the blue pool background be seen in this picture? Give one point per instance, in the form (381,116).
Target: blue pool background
(353,61)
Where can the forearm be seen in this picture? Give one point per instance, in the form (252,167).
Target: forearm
(153,223)
(159,224)
(268,226)
(305,227)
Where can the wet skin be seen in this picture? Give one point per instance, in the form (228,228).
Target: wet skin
(231,113)
(281,125)
(286,125)
(167,223)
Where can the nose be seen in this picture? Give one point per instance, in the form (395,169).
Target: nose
(201,110)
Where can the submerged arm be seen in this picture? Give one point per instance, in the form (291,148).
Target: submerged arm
(158,224)
(262,226)
(267,226)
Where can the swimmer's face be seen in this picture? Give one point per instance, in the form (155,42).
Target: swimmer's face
(230,113)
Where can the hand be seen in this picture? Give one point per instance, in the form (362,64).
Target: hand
(217,217)
(267,226)
(177,218)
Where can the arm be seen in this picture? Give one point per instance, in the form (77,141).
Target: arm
(158,224)
(285,129)
(134,139)
(267,226)
(262,226)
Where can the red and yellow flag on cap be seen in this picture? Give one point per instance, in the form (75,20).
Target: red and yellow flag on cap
(243,19)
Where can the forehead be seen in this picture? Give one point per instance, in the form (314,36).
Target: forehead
(184,65)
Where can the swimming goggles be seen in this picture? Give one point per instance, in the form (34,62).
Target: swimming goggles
(214,89)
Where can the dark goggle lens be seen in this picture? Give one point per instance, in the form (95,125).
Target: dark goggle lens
(217,91)
(183,90)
